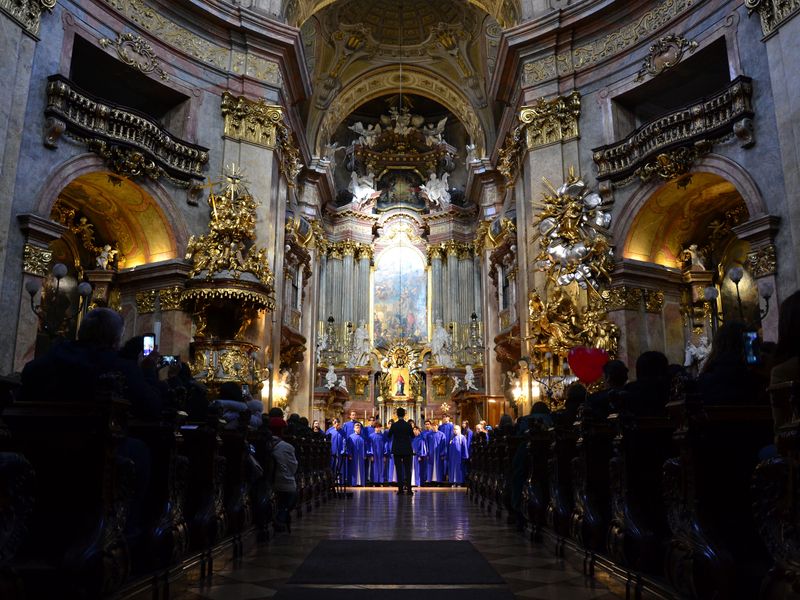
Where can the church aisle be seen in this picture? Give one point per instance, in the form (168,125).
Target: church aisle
(441,514)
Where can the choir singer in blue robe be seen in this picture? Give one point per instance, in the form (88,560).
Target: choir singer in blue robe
(337,439)
(377,455)
(446,428)
(419,474)
(436,449)
(457,454)
(356,457)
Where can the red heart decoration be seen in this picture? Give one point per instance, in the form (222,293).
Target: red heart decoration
(587,363)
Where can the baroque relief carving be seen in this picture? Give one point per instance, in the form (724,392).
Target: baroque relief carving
(36,259)
(190,43)
(626,297)
(763,261)
(665,54)
(669,165)
(146,301)
(27,12)
(551,121)
(171,298)
(772,12)
(144,59)
(607,46)
(252,121)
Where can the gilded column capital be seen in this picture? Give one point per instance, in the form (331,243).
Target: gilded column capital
(146,301)
(464,250)
(365,251)
(169,298)
(435,251)
(252,121)
(348,247)
(550,121)
(450,247)
(763,261)
(36,259)
(27,13)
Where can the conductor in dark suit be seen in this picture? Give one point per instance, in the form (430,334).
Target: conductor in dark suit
(401,435)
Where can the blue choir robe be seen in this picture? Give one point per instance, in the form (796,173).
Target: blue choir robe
(436,449)
(457,453)
(349,427)
(377,450)
(337,450)
(366,432)
(447,430)
(468,434)
(356,460)
(391,472)
(419,473)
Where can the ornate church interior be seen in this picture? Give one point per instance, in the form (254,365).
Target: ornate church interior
(239,236)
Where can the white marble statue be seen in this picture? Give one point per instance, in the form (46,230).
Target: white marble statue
(435,190)
(361,347)
(456,382)
(322,345)
(433,133)
(469,379)
(331,380)
(696,355)
(471,153)
(441,344)
(106,257)
(343,383)
(366,135)
(402,121)
(362,188)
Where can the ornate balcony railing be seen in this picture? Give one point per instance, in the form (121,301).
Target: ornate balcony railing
(131,142)
(727,112)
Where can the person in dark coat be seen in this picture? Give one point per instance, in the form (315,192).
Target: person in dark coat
(726,377)
(615,376)
(649,394)
(400,435)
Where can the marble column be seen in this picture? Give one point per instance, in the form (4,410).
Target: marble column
(336,286)
(348,282)
(464,287)
(363,285)
(452,283)
(436,284)
(326,290)
(477,282)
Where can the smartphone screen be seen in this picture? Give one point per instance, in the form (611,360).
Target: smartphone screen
(149,344)
(751,347)
(245,389)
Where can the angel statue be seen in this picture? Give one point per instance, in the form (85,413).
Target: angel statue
(693,257)
(456,383)
(362,188)
(433,133)
(696,355)
(343,383)
(440,346)
(331,381)
(106,257)
(435,189)
(361,349)
(469,379)
(366,135)
(322,345)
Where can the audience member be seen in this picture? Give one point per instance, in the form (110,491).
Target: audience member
(232,403)
(275,421)
(649,394)
(540,413)
(281,473)
(787,354)
(726,377)
(604,402)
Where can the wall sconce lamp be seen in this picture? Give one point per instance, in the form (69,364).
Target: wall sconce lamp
(51,328)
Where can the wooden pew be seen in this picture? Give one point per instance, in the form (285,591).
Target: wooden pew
(76,545)
(638,528)
(714,550)
(559,468)
(777,498)
(536,493)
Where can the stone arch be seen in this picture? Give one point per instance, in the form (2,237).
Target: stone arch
(163,212)
(714,164)
(387,80)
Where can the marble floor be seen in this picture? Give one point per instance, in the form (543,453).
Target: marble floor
(531,570)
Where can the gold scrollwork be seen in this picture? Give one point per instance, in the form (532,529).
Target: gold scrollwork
(127,43)
(674,163)
(27,12)
(665,54)
(763,261)
(626,297)
(551,121)
(146,301)
(603,48)
(36,259)
(171,298)
(252,121)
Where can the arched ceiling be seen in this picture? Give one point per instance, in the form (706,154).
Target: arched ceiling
(505,12)
(122,212)
(356,50)
(678,214)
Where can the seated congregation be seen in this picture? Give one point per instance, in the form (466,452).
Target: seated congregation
(120,477)
(684,485)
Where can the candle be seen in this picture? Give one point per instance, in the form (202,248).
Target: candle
(365,414)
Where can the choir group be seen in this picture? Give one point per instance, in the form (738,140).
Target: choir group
(362,455)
